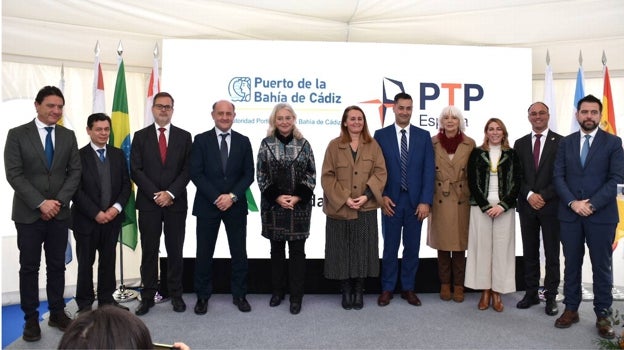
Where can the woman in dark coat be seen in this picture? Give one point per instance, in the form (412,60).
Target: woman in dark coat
(286,175)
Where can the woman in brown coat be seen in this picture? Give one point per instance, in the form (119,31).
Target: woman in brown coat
(448,222)
(353,178)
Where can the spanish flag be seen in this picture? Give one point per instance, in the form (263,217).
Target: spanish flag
(607,123)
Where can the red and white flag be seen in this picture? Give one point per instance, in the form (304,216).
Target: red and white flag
(99,105)
(152,89)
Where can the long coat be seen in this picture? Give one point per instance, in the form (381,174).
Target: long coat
(285,169)
(343,177)
(450,212)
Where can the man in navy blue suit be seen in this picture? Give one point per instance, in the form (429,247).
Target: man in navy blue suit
(407,198)
(588,167)
(222,169)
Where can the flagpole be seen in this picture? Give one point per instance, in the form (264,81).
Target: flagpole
(122,295)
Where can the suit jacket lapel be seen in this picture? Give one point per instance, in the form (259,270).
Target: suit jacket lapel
(548,151)
(33,136)
(213,142)
(594,146)
(92,165)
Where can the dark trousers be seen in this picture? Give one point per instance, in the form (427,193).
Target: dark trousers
(296,267)
(599,238)
(207,232)
(101,239)
(530,223)
(52,235)
(152,224)
(404,223)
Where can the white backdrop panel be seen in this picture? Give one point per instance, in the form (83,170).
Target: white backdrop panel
(320,80)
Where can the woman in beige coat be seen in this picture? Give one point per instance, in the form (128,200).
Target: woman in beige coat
(448,222)
(353,178)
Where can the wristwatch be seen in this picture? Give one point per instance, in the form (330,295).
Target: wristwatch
(234,197)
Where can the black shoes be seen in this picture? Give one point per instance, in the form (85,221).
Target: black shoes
(347,295)
(551,306)
(59,320)
(32,331)
(528,301)
(242,303)
(295,306)
(202,306)
(144,306)
(276,299)
(178,304)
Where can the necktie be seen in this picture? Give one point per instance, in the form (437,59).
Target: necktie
(536,150)
(49,146)
(101,154)
(403,160)
(224,151)
(162,145)
(585,149)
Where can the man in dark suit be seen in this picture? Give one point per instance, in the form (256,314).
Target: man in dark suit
(407,198)
(537,206)
(97,213)
(159,163)
(43,166)
(588,167)
(222,169)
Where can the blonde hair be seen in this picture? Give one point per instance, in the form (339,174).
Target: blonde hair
(278,107)
(505,142)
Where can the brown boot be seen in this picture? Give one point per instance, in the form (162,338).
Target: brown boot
(445,291)
(458,293)
(444,273)
(497,302)
(484,302)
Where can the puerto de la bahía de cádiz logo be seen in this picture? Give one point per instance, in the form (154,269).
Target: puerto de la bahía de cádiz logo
(240,89)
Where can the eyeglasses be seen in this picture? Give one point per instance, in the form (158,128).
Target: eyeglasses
(165,108)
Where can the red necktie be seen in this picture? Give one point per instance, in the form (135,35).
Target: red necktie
(162,145)
(536,150)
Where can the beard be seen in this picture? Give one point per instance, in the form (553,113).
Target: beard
(588,125)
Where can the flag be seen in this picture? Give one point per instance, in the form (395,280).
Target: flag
(98,87)
(251,202)
(607,123)
(120,137)
(152,89)
(549,98)
(64,122)
(579,93)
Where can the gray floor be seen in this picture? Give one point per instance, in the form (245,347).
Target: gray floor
(323,324)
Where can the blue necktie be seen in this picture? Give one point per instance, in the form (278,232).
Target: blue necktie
(101,154)
(403,161)
(585,149)
(49,146)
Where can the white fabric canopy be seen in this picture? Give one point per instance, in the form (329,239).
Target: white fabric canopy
(66,30)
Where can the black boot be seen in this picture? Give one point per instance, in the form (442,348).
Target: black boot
(358,294)
(347,300)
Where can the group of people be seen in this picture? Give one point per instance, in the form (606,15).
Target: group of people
(560,186)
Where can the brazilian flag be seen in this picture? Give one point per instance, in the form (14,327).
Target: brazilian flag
(120,138)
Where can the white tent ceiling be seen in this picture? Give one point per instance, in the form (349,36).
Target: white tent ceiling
(66,31)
